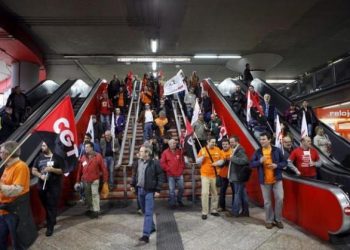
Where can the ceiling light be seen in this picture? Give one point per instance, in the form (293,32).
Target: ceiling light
(160,59)
(154,66)
(154,45)
(280,81)
(87,56)
(205,56)
(214,56)
(229,56)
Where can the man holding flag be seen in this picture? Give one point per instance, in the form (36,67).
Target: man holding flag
(59,132)
(48,167)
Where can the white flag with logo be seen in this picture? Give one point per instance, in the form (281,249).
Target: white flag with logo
(175,84)
(196,112)
(90,129)
(304,130)
(249,105)
(278,141)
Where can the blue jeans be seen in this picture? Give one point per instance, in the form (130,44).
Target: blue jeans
(270,214)
(223,189)
(241,199)
(147,205)
(147,131)
(8,225)
(172,181)
(109,161)
(106,121)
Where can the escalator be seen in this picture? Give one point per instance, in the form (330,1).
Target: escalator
(84,104)
(38,95)
(334,171)
(319,207)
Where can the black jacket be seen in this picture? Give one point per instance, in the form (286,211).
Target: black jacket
(26,232)
(239,168)
(154,176)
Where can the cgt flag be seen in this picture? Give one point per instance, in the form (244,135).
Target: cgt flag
(188,141)
(58,130)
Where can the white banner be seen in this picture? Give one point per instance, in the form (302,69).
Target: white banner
(304,130)
(90,129)
(196,112)
(175,84)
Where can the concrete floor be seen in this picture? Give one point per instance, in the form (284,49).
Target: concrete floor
(120,228)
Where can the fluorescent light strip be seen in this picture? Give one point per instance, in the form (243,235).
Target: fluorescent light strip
(229,57)
(160,59)
(154,45)
(200,56)
(280,81)
(213,56)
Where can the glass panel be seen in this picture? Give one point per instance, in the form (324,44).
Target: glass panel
(342,70)
(324,78)
(306,86)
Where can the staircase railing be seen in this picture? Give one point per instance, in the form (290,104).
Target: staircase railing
(125,135)
(133,141)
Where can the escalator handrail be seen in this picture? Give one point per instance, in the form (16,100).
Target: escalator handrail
(340,195)
(125,132)
(88,99)
(133,141)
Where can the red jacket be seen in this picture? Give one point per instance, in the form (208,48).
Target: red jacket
(90,168)
(173,163)
(106,106)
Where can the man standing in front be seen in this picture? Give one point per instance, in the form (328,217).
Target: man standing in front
(148,179)
(270,162)
(210,157)
(48,168)
(109,147)
(305,158)
(91,165)
(227,152)
(239,173)
(14,200)
(173,163)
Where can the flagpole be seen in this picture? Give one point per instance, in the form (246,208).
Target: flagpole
(19,145)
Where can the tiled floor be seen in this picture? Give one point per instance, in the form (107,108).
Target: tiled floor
(120,228)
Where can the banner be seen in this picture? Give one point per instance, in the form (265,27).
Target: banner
(175,84)
(304,130)
(223,131)
(196,112)
(58,130)
(278,139)
(249,106)
(90,129)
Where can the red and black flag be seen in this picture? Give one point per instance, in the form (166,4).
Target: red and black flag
(187,140)
(58,130)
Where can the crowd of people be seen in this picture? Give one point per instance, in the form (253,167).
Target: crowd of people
(223,161)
